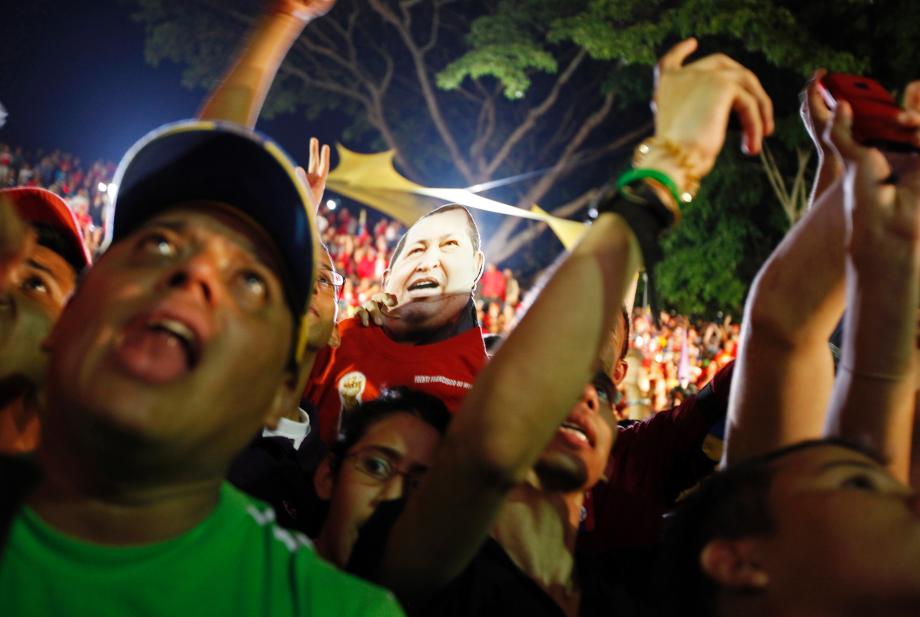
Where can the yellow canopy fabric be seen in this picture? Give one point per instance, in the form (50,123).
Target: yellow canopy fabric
(372,179)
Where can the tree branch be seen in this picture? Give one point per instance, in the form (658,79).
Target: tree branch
(535,114)
(428,94)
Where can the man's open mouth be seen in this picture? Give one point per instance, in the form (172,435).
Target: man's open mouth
(182,334)
(426,283)
(160,347)
(570,428)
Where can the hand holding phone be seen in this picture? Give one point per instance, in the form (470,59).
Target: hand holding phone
(875,112)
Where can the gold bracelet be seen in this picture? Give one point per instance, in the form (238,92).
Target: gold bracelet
(678,154)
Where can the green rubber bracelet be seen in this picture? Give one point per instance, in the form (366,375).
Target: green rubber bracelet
(634,175)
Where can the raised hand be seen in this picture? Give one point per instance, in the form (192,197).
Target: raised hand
(883,195)
(692,104)
(317,171)
(305,9)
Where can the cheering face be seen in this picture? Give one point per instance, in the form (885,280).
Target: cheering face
(576,456)
(846,534)
(437,263)
(383,465)
(178,339)
(31,298)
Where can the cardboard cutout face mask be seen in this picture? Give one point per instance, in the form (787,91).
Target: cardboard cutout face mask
(437,261)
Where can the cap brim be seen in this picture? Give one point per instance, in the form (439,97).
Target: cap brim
(226,163)
(40,206)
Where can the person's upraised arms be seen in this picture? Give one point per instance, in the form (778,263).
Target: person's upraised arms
(784,373)
(240,95)
(873,401)
(530,386)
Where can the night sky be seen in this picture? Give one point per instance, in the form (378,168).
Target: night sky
(73,77)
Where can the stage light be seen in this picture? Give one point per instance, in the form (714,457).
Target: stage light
(102,187)
(331,204)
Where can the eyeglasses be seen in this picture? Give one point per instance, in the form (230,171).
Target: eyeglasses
(379,469)
(605,388)
(330,281)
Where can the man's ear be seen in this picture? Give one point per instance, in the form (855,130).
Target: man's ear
(324,479)
(734,564)
(480,263)
(385,279)
(619,371)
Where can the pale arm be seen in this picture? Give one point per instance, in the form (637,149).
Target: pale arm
(874,396)
(784,373)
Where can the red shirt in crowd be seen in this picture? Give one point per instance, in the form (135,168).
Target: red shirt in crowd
(492,285)
(367,360)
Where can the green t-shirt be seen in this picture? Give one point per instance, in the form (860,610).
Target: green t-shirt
(235,562)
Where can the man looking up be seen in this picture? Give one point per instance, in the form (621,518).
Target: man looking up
(41,254)
(186,337)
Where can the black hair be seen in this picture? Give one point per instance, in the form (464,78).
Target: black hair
(356,422)
(66,247)
(731,504)
(473,230)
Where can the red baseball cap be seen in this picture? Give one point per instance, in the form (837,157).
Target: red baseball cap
(35,205)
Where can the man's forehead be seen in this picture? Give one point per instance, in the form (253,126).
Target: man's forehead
(48,260)
(202,218)
(439,224)
(800,467)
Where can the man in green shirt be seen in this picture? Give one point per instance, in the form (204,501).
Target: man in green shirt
(187,336)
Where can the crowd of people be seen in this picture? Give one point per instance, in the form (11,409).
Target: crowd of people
(361,249)
(187,425)
(83,187)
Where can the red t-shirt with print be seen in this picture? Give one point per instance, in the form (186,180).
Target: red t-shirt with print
(367,360)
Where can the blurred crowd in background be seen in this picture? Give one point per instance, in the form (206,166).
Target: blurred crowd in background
(668,361)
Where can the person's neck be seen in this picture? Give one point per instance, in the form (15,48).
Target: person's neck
(79,497)
(538,529)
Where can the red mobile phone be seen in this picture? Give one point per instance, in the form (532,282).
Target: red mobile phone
(874,111)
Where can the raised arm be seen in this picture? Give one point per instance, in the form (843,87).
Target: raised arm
(529,387)
(240,95)
(784,372)
(873,400)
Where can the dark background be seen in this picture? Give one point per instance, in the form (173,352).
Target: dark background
(73,77)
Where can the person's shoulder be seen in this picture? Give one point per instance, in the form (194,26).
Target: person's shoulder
(320,588)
